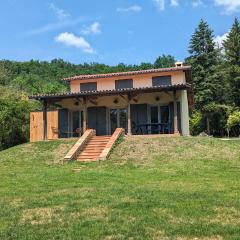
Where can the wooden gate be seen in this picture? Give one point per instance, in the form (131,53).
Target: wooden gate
(36,126)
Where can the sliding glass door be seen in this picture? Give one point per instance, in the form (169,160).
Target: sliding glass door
(159,118)
(118,119)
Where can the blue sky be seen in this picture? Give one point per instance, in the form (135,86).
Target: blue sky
(107,31)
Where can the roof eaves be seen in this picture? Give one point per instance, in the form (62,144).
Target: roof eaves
(118,74)
(109,92)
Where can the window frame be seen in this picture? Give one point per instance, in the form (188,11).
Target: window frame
(88,84)
(121,81)
(164,78)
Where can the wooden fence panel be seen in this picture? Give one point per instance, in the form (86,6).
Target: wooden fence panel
(36,126)
(52,125)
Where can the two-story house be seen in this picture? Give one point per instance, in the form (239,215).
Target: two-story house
(142,102)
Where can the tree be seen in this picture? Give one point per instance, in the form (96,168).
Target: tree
(232,54)
(4,76)
(208,84)
(14,117)
(164,61)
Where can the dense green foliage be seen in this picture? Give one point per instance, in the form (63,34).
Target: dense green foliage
(149,188)
(232,55)
(216,78)
(14,117)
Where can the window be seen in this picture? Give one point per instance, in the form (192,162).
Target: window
(161,80)
(126,83)
(88,86)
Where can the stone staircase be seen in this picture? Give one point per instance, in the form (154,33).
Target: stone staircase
(90,147)
(93,149)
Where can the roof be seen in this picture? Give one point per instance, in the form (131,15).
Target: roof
(120,74)
(111,92)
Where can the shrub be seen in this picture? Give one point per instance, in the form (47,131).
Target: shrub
(196,122)
(14,117)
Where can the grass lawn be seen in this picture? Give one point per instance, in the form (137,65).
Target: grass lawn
(150,188)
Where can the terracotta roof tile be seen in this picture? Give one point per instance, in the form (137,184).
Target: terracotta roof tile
(118,74)
(111,92)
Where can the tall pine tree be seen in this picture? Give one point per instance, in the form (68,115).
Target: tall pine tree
(232,54)
(204,58)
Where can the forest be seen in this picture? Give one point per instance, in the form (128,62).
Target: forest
(216,85)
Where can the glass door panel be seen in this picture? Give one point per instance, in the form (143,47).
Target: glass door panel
(154,119)
(164,113)
(75,124)
(122,113)
(113,119)
(118,119)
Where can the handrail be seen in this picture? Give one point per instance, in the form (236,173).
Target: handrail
(118,133)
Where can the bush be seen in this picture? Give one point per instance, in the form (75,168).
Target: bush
(14,117)
(233,123)
(196,122)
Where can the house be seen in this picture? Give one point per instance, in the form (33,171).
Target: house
(152,101)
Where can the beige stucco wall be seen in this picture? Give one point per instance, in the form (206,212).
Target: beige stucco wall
(143,80)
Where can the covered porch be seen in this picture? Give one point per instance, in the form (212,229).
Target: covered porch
(142,111)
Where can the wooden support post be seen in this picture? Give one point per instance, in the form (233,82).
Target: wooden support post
(129,115)
(45,119)
(84,115)
(175,117)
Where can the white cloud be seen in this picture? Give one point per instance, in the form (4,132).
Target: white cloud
(133,8)
(219,39)
(230,6)
(70,39)
(196,3)
(160,4)
(92,29)
(174,3)
(60,13)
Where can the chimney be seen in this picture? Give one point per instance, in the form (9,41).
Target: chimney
(178,64)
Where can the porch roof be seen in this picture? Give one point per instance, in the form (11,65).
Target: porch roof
(130,73)
(111,92)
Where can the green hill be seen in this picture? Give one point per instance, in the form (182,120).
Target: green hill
(149,188)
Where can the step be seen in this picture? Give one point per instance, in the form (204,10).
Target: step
(89,154)
(96,145)
(92,150)
(87,160)
(100,140)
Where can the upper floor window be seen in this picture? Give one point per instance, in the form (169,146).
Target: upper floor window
(125,83)
(92,86)
(161,80)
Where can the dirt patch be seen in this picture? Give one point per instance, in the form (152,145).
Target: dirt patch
(16,203)
(156,233)
(99,213)
(60,153)
(38,216)
(201,238)
(225,216)
(128,200)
